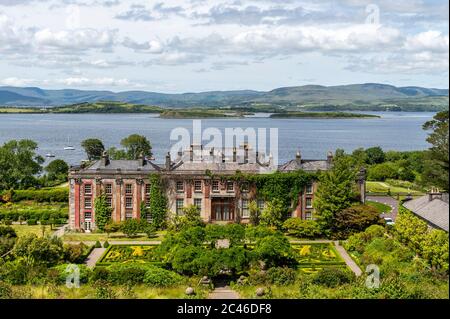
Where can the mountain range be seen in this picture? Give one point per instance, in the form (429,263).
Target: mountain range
(308,95)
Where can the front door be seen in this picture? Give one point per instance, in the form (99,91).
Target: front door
(87,225)
(222,209)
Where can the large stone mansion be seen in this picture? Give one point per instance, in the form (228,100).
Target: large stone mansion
(126,185)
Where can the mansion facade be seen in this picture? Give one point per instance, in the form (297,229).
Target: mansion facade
(189,181)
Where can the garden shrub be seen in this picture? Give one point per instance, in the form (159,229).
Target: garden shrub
(274,250)
(257,277)
(333,277)
(159,277)
(354,219)
(130,273)
(105,244)
(302,228)
(63,271)
(282,276)
(97,244)
(99,273)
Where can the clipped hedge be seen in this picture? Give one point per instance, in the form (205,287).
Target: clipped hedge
(42,195)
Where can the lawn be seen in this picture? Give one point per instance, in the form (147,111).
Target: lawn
(380,207)
(22,230)
(112,237)
(384,187)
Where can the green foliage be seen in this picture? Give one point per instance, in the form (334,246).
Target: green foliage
(354,219)
(190,218)
(7,239)
(302,228)
(63,271)
(436,166)
(335,192)
(253,233)
(158,201)
(105,244)
(19,163)
(158,277)
(5,291)
(432,245)
(129,273)
(76,253)
(136,145)
(255,213)
(97,244)
(93,147)
(117,154)
(130,227)
(57,170)
(59,195)
(102,212)
(333,277)
(103,290)
(274,250)
(282,276)
(235,233)
(273,214)
(45,251)
(284,187)
(375,155)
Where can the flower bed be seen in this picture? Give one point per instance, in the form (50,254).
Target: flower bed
(314,257)
(128,253)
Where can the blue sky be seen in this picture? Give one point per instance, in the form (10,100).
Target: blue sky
(202,45)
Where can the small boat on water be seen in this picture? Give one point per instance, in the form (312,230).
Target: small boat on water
(69,147)
(50,155)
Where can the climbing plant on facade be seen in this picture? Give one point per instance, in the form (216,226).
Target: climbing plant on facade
(102,212)
(158,201)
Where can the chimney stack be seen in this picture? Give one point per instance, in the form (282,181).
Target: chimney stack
(141,159)
(168,161)
(105,159)
(234,154)
(246,153)
(298,158)
(330,158)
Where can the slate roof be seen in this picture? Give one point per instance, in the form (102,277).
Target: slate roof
(436,211)
(306,165)
(211,160)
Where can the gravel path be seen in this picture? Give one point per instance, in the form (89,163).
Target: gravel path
(223,293)
(94,256)
(348,260)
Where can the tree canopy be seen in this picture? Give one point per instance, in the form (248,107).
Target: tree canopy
(136,145)
(93,147)
(436,165)
(19,163)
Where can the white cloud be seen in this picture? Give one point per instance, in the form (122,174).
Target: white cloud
(428,41)
(13,81)
(78,39)
(83,81)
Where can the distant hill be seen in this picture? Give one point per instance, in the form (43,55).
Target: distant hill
(369,96)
